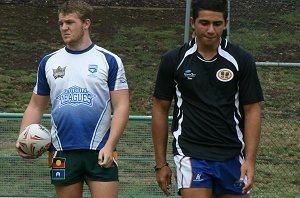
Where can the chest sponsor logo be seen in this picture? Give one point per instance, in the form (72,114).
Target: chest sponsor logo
(59,72)
(224,75)
(75,96)
(188,74)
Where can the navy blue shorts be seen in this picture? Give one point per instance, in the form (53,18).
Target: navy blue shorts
(222,177)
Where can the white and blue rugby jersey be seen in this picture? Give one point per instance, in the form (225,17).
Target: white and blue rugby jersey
(79,85)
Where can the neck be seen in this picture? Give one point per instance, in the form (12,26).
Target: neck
(80,45)
(208,52)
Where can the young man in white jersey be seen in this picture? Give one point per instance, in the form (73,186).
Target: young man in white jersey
(216,118)
(86,84)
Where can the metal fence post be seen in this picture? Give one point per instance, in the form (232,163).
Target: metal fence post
(187,21)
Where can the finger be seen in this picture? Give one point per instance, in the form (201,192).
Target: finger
(103,160)
(248,186)
(26,156)
(107,163)
(100,158)
(243,174)
(166,189)
(165,185)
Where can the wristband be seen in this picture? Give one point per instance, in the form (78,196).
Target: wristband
(158,168)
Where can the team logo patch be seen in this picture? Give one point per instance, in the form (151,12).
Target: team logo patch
(224,75)
(59,72)
(58,171)
(58,174)
(189,74)
(198,178)
(58,163)
(122,80)
(93,69)
(75,96)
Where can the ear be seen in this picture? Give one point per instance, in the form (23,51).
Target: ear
(192,22)
(226,24)
(87,24)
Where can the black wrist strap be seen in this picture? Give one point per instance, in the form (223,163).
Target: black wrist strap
(158,168)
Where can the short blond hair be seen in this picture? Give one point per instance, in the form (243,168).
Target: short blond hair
(82,8)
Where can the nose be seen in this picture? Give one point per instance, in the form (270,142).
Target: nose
(63,26)
(211,28)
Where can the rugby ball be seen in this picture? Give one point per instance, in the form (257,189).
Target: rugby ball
(35,140)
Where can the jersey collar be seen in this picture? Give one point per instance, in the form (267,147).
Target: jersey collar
(81,51)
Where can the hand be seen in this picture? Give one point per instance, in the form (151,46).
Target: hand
(24,155)
(163,178)
(105,158)
(247,169)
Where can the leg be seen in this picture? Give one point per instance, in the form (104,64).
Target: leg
(74,190)
(232,196)
(104,189)
(66,174)
(102,182)
(196,192)
(193,177)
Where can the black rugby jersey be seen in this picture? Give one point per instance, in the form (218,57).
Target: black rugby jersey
(208,118)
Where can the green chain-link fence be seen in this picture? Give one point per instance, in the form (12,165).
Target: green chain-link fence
(277,163)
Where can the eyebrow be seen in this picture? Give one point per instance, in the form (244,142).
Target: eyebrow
(211,21)
(66,20)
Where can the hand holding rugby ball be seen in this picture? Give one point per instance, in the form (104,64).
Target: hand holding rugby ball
(35,140)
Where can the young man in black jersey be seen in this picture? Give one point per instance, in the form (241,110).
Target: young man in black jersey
(217,115)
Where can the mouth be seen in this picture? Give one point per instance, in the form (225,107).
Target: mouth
(66,35)
(210,38)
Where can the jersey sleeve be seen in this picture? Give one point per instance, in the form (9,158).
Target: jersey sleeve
(250,88)
(116,75)
(165,84)
(42,87)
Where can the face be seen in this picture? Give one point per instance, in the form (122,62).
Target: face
(208,27)
(72,28)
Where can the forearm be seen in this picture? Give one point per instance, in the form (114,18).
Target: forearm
(252,131)
(120,104)
(160,138)
(118,124)
(160,130)
(30,116)
(34,110)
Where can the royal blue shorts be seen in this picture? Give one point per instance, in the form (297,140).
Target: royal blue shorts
(222,177)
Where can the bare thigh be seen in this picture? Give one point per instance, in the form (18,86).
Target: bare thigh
(74,190)
(232,196)
(196,193)
(104,189)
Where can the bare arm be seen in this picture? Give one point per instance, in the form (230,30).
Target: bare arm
(252,138)
(160,112)
(33,114)
(120,104)
(34,111)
